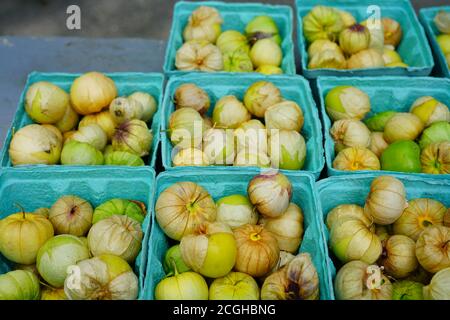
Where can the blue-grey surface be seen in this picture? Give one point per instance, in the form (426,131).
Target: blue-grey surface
(21,55)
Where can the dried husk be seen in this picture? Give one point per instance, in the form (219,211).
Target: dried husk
(435,158)
(350,133)
(260,96)
(71,215)
(420,214)
(386,200)
(189,95)
(182,207)
(190,157)
(285,115)
(258,250)
(359,281)
(433,248)
(439,287)
(399,256)
(198,55)
(352,159)
(347,210)
(377,143)
(298,280)
(288,228)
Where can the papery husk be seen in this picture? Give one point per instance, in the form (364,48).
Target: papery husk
(182,207)
(91,92)
(182,286)
(266,52)
(347,210)
(234,286)
(149,104)
(103,119)
(123,109)
(189,95)
(190,157)
(270,193)
(251,139)
(357,280)
(285,115)
(210,250)
(321,45)
(198,55)
(430,110)
(298,280)
(71,215)
(232,40)
(365,59)
(399,256)
(283,260)
(219,146)
(236,210)
(354,39)
(439,287)
(442,21)
(447,218)
(347,18)
(237,61)
(203,24)
(435,158)
(230,113)
(186,128)
(353,159)
(133,136)
(46,103)
(403,126)
(288,228)
(351,239)
(19,285)
(350,133)
(258,250)
(92,134)
(287,149)
(322,22)
(420,214)
(260,96)
(347,102)
(392,31)
(106,277)
(386,200)
(69,120)
(118,235)
(377,143)
(328,59)
(34,144)
(433,248)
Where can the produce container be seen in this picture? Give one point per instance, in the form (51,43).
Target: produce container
(33,188)
(220,184)
(426,16)
(235,17)
(386,93)
(413,48)
(294,88)
(353,189)
(126,83)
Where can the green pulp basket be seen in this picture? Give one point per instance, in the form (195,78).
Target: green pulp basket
(220,184)
(235,17)
(386,93)
(126,83)
(426,16)
(355,188)
(413,48)
(292,87)
(33,188)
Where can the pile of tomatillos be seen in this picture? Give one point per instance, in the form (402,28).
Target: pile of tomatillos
(72,251)
(335,40)
(207,48)
(244,246)
(415,141)
(88,126)
(262,131)
(392,248)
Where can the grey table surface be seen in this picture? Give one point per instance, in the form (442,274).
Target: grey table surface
(21,55)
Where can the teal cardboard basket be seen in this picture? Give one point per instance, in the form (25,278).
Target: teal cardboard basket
(426,16)
(386,93)
(220,184)
(126,83)
(413,48)
(354,190)
(294,88)
(235,17)
(33,188)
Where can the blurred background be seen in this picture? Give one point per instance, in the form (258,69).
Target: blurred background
(106,18)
